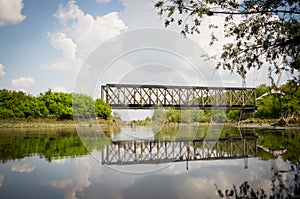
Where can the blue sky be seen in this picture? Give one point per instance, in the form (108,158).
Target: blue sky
(25,44)
(44,43)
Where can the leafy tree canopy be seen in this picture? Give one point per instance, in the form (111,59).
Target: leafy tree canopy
(266,34)
(54,105)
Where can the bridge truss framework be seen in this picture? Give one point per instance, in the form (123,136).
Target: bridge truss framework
(131,96)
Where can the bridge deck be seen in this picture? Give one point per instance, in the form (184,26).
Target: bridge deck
(132,96)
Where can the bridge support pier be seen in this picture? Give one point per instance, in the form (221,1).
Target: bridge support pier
(247,114)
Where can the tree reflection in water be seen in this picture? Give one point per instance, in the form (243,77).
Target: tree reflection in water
(285,168)
(285,183)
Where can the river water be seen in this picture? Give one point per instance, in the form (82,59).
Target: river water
(190,161)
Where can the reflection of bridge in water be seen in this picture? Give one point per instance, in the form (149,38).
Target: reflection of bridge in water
(154,152)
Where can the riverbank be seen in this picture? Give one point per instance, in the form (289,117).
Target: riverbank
(53,123)
(270,123)
(249,123)
(43,123)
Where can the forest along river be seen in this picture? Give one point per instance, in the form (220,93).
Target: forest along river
(140,162)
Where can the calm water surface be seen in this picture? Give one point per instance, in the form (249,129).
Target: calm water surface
(56,164)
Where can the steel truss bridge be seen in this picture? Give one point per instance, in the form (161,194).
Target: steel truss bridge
(130,96)
(154,152)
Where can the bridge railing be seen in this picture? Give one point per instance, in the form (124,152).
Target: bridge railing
(123,96)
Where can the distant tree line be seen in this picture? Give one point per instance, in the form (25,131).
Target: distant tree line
(172,115)
(53,105)
(273,103)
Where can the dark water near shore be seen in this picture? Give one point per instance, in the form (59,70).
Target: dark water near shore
(139,163)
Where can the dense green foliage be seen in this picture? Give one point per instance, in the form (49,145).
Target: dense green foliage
(54,105)
(59,105)
(171,115)
(189,116)
(144,122)
(279,103)
(266,32)
(102,110)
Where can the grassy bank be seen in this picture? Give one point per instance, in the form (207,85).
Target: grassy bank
(36,123)
(53,123)
(253,122)
(42,123)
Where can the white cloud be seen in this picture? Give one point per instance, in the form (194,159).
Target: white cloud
(2,72)
(10,12)
(90,32)
(103,1)
(22,167)
(79,178)
(22,82)
(60,41)
(58,65)
(59,89)
(80,34)
(59,184)
(140,14)
(68,12)
(59,161)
